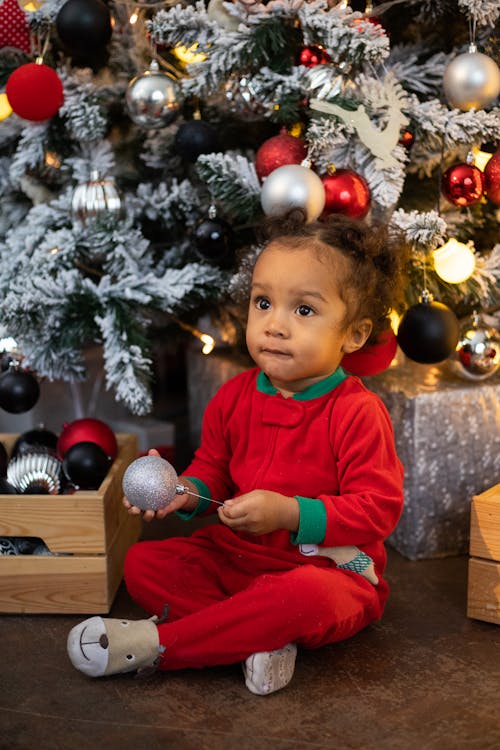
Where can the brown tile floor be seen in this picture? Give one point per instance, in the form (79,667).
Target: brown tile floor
(424,678)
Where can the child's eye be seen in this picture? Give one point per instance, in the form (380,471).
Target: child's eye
(262,303)
(304,311)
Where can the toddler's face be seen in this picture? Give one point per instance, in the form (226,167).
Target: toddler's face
(296,330)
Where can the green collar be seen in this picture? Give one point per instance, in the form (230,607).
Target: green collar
(264,385)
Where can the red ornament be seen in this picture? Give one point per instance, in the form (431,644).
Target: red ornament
(492,178)
(370,360)
(34,91)
(313,55)
(87,430)
(14,30)
(463,184)
(278,151)
(346,193)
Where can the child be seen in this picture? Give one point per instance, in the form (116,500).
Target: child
(306,455)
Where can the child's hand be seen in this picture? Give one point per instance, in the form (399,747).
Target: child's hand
(180,502)
(260,512)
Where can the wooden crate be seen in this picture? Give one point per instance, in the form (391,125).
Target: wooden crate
(483,587)
(88,533)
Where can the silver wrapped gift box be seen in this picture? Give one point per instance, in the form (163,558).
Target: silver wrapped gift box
(448,437)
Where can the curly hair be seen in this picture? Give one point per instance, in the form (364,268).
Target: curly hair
(373,278)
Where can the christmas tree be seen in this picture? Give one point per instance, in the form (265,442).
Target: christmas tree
(141,148)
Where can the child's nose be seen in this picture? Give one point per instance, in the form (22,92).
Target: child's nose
(276,325)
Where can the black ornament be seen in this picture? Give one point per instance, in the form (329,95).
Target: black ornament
(19,391)
(194,138)
(38,440)
(428,332)
(84,27)
(213,238)
(4,460)
(85,465)
(6,488)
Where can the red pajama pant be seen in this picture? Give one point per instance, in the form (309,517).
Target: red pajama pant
(229,598)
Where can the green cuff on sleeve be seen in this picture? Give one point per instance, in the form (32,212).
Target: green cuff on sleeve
(202,503)
(312,521)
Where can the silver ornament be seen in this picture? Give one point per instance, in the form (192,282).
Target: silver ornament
(8,545)
(95,199)
(35,473)
(477,355)
(293,187)
(471,81)
(150,483)
(153,98)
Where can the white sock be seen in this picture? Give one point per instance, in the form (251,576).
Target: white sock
(268,671)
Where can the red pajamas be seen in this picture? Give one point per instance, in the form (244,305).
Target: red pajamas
(229,598)
(231,594)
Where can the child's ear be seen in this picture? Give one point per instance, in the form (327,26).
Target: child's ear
(357,335)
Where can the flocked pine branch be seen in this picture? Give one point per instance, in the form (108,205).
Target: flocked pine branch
(30,151)
(346,35)
(170,203)
(127,367)
(423,230)
(482,12)
(232,179)
(85,118)
(418,74)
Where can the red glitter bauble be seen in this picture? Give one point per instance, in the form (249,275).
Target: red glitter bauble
(87,430)
(463,184)
(34,91)
(492,178)
(370,360)
(313,55)
(277,152)
(346,193)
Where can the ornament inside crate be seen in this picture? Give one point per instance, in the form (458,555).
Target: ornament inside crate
(87,532)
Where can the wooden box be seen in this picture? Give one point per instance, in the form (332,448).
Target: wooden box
(88,533)
(483,589)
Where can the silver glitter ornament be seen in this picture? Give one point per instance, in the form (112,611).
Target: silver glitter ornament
(95,198)
(153,98)
(477,356)
(471,81)
(35,473)
(150,483)
(290,188)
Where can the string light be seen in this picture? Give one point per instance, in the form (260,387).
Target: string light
(134,17)
(5,108)
(30,5)
(52,159)
(205,338)
(188,55)
(454,262)
(481,158)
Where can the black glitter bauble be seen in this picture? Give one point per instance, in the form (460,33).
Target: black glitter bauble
(213,238)
(85,465)
(194,138)
(428,332)
(19,391)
